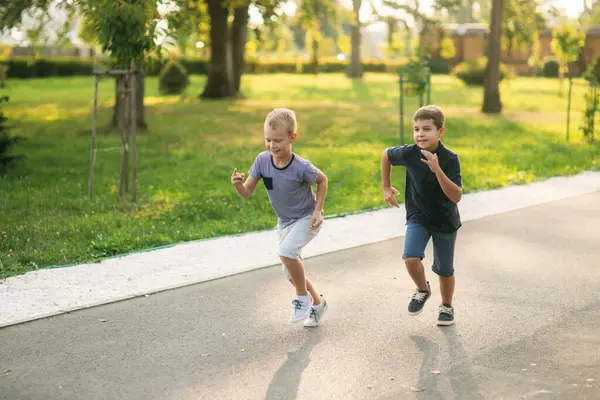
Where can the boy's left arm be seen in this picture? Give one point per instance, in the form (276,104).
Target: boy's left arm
(317,217)
(451,189)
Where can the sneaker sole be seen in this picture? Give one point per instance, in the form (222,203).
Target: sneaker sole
(445,323)
(325,307)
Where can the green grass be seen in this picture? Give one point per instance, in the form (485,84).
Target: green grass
(186,158)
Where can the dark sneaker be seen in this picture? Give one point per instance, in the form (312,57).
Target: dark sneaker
(445,316)
(418,301)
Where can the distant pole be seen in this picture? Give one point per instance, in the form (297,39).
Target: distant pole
(569,106)
(93,150)
(428,88)
(401,109)
(133,123)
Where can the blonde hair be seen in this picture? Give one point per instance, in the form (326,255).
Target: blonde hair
(282,117)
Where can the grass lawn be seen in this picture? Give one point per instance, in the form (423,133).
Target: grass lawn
(186,158)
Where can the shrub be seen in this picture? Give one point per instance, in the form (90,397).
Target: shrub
(173,78)
(592,74)
(6,141)
(551,69)
(472,72)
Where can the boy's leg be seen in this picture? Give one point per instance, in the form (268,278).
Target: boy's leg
(447,289)
(292,240)
(443,266)
(295,270)
(415,243)
(311,289)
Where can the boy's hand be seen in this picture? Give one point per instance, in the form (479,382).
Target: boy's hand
(316,220)
(388,194)
(237,178)
(431,161)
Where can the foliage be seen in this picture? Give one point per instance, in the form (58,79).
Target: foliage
(522,20)
(447,48)
(25,67)
(551,69)
(6,141)
(592,99)
(416,72)
(592,74)
(173,79)
(125,28)
(566,43)
(473,72)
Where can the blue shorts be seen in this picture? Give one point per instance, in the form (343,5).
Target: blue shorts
(415,242)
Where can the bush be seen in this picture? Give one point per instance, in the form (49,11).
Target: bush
(27,67)
(438,65)
(551,69)
(473,72)
(6,141)
(3,76)
(416,71)
(173,78)
(592,74)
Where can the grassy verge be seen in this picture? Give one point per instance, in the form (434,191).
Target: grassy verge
(192,146)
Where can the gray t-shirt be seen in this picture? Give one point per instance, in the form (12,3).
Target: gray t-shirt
(289,188)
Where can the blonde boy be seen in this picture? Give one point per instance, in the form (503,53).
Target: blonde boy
(288,180)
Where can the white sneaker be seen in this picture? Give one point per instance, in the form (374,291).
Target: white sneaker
(316,314)
(301,309)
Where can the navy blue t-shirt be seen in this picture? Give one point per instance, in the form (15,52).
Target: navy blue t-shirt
(425,201)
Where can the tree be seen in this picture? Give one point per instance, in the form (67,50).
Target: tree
(521,22)
(566,43)
(220,79)
(228,43)
(312,17)
(355,69)
(126,29)
(491,95)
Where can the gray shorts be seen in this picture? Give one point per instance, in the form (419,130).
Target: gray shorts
(293,238)
(415,242)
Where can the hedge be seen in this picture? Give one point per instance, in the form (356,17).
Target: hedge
(26,67)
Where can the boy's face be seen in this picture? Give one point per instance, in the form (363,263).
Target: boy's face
(426,134)
(278,141)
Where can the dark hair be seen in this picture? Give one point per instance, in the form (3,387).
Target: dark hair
(430,112)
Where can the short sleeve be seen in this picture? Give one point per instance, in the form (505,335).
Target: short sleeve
(310,174)
(453,171)
(256,169)
(396,155)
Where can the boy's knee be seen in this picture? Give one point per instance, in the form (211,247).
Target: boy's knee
(286,260)
(412,262)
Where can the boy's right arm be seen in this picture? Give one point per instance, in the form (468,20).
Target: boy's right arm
(386,181)
(244,189)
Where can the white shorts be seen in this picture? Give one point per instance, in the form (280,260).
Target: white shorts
(293,238)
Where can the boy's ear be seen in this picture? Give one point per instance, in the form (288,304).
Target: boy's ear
(293,137)
(442,130)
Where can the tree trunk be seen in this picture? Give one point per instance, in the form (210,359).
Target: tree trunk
(239,36)
(119,106)
(491,96)
(220,83)
(315,54)
(355,69)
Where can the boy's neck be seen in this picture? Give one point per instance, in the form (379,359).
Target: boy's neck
(283,161)
(437,146)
